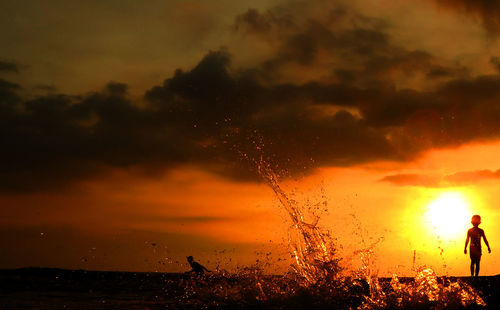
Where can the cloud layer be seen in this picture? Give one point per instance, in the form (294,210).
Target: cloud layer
(7,66)
(335,91)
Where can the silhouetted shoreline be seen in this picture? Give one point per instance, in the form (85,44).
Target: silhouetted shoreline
(50,288)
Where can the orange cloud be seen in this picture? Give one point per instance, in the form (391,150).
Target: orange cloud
(459,178)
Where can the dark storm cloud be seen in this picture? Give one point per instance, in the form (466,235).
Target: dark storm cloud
(302,44)
(216,105)
(487,11)
(8,95)
(46,87)
(456,112)
(253,21)
(206,116)
(215,114)
(53,139)
(8,86)
(495,62)
(7,66)
(359,45)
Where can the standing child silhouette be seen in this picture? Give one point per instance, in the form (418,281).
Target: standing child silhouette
(474,235)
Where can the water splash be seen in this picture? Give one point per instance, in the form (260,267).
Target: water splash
(313,250)
(426,291)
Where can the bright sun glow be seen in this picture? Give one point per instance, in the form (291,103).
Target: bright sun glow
(449,214)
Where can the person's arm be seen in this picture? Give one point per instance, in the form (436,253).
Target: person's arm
(486,241)
(466,243)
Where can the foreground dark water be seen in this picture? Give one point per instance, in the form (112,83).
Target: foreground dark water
(35,288)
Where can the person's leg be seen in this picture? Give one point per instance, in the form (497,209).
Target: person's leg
(477,266)
(471,267)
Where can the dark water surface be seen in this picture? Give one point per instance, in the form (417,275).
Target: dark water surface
(39,288)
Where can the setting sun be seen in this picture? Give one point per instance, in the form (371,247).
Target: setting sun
(448,214)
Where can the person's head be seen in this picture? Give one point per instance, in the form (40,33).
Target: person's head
(476,220)
(190,259)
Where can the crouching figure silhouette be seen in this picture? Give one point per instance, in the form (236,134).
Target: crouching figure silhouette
(196,267)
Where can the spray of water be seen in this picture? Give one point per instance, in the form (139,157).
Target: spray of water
(313,250)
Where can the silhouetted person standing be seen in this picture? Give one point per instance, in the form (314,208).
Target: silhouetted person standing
(474,235)
(196,267)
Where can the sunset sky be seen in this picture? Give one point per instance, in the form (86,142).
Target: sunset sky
(129,130)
